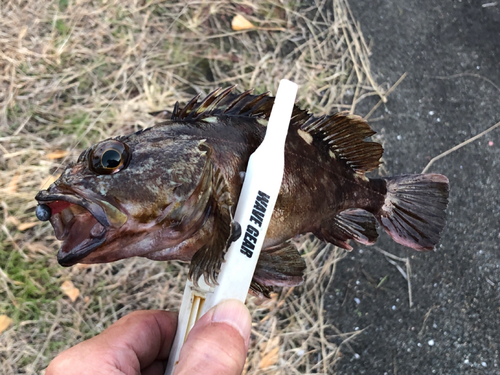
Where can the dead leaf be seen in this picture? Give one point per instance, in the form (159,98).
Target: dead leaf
(70,290)
(5,322)
(270,352)
(270,358)
(58,154)
(37,247)
(23,33)
(49,181)
(24,226)
(12,186)
(81,266)
(241,23)
(13,220)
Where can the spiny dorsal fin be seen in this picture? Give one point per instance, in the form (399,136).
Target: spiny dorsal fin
(224,102)
(345,135)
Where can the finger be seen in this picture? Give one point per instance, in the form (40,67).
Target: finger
(132,343)
(149,334)
(218,342)
(155,368)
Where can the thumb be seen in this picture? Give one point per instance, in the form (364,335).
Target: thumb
(218,342)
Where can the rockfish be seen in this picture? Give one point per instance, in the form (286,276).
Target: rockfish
(169,192)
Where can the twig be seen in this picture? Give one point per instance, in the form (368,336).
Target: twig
(427,314)
(403,273)
(386,95)
(440,156)
(389,254)
(408,272)
(406,275)
(475,75)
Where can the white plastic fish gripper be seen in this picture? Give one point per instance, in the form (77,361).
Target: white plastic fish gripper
(262,184)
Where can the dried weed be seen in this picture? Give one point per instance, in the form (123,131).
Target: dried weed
(75,71)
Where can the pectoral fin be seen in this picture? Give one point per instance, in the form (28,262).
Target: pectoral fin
(207,260)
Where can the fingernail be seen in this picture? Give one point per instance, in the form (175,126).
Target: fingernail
(234,313)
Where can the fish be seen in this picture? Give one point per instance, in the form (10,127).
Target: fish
(169,192)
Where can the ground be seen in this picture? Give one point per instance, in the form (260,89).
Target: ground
(451,54)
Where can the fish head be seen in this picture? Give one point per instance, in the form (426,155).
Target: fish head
(128,196)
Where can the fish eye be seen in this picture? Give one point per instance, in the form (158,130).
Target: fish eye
(109,157)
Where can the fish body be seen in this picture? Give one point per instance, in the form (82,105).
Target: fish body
(169,192)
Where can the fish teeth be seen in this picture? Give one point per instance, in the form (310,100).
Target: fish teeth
(66,216)
(97,230)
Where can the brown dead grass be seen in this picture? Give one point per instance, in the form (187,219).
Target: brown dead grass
(73,72)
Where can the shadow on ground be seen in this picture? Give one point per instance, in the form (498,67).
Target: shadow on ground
(451,53)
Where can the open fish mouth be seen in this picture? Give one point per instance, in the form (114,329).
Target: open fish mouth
(79,223)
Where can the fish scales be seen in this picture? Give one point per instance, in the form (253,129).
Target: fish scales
(169,192)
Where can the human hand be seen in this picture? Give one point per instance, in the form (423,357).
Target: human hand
(140,342)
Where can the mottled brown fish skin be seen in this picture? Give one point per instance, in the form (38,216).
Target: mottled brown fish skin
(169,192)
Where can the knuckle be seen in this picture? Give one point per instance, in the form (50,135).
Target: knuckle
(57,365)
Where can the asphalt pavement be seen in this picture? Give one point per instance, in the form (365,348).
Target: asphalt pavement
(450,51)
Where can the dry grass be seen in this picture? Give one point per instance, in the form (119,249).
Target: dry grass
(73,72)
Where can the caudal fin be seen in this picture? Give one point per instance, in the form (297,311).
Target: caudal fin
(413,213)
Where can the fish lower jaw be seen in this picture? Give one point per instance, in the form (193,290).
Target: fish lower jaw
(80,232)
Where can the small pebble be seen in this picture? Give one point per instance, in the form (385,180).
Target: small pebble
(431,342)
(484,364)
(357,301)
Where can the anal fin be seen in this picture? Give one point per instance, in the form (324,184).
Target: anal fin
(358,225)
(259,290)
(279,265)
